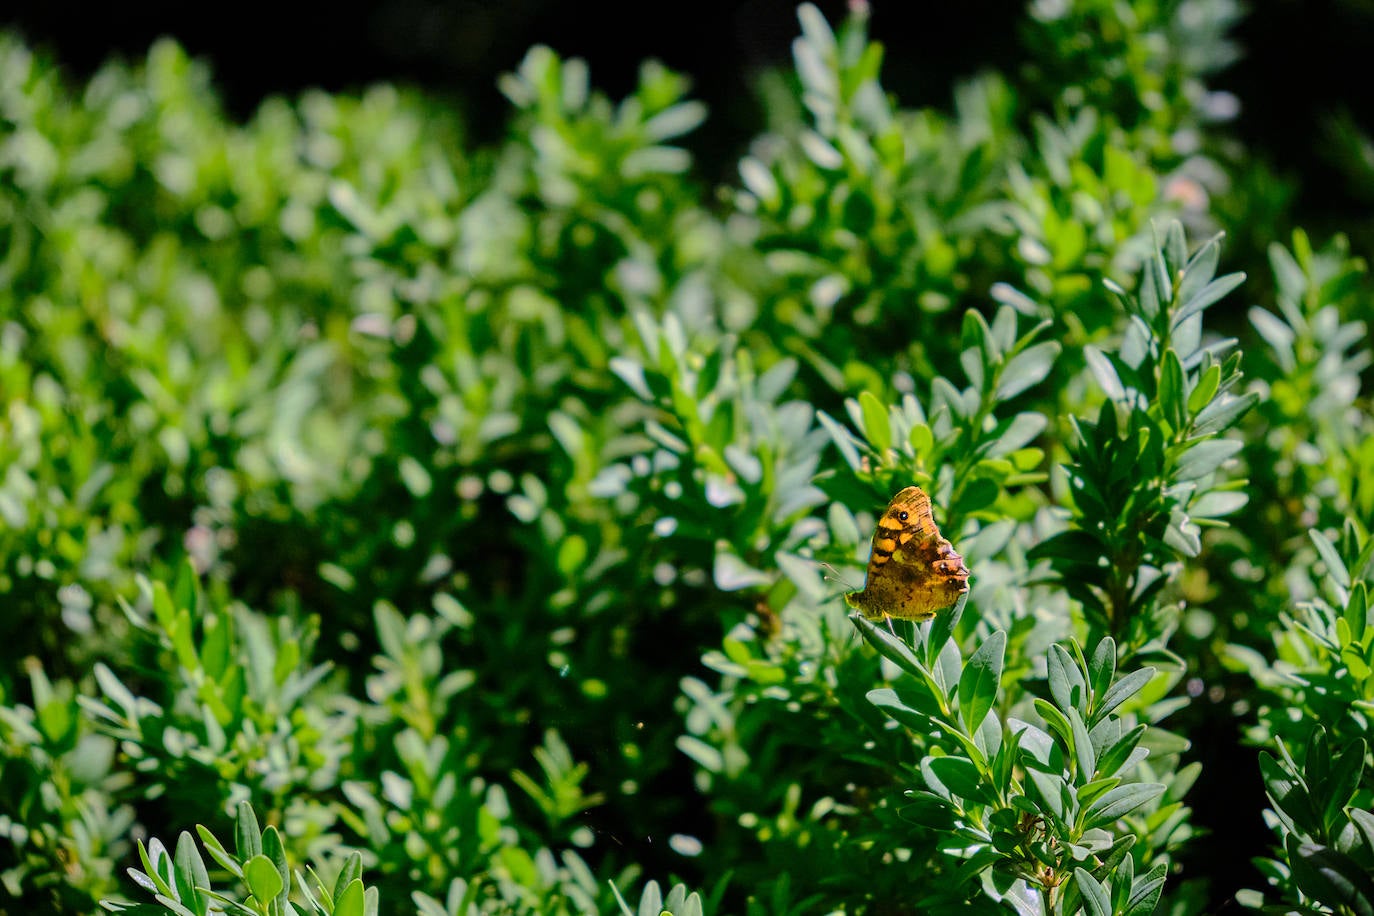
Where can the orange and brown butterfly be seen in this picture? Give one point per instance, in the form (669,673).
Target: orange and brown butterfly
(913,572)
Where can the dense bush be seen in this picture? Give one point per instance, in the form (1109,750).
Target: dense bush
(462,515)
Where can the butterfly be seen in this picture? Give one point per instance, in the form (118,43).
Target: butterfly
(913,572)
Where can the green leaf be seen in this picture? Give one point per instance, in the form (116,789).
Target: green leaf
(312,900)
(922,440)
(183,641)
(1084,753)
(1102,667)
(1347,771)
(980,680)
(893,706)
(706,756)
(977,494)
(620,899)
(930,810)
(263,880)
(877,428)
(1096,901)
(1206,296)
(1200,269)
(247,836)
(1013,434)
(1049,791)
(1222,413)
(1154,286)
(1120,802)
(1318,761)
(889,646)
(186,590)
(190,875)
(1027,368)
(153,879)
(731,574)
(1362,823)
(350,902)
(1067,687)
(1278,335)
(1205,389)
(572,555)
(674,121)
(390,627)
(1171,391)
(1218,504)
(217,851)
(1034,743)
(1115,757)
(1014,299)
(1356,612)
(759,181)
(273,849)
(1121,691)
(352,869)
(959,775)
(1331,877)
(976,349)
(180,910)
(1205,457)
(1175,247)
(1105,373)
(942,628)
(415,476)
(1055,721)
(1089,792)
(1183,534)
(1335,566)
(842,438)
(1146,891)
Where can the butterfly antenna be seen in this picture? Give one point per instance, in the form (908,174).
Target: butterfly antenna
(836,577)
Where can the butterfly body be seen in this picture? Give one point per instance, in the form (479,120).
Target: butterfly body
(913,572)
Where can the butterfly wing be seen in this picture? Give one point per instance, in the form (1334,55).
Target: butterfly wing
(913,572)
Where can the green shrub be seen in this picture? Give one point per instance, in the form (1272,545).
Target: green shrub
(464,515)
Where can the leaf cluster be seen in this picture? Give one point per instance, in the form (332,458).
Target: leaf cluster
(464,513)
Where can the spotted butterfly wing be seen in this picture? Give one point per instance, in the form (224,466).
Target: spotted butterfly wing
(913,572)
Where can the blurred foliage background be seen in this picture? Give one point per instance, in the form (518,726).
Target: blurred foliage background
(429,488)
